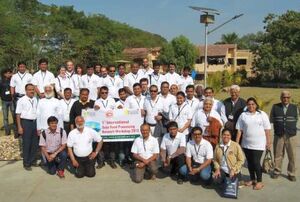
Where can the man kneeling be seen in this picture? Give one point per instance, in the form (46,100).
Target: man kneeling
(145,151)
(80,148)
(53,143)
(199,155)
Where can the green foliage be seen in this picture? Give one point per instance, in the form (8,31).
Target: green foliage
(30,30)
(230,38)
(180,51)
(262,103)
(279,53)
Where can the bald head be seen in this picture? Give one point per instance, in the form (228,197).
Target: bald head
(285,97)
(79,121)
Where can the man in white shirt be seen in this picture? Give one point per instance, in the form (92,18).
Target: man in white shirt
(104,102)
(191,99)
(153,107)
(26,114)
(199,155)
(132,78)
(80,148)
(62,81)
(181,113)
(75,78)
(92,82)
(172,77)
(172,150)
(66,105)
(122,72)
(156,78)
(48,106)
(120,104)
(145,87)
(167,98)
(103,72)
(217,105)
(145,150)
(42,77)
(135,101)
(114,83)
(18,82)
(186,79)
(146,70)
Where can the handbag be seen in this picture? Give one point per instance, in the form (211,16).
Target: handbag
(231,187)
(268,163)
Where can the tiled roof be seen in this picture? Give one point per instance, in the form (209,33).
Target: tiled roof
(133,53)
(216,50)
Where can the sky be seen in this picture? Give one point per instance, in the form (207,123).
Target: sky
(171,18)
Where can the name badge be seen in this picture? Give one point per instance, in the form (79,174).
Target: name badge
(7,92)
(230,117)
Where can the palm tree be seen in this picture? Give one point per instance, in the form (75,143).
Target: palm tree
(230,38)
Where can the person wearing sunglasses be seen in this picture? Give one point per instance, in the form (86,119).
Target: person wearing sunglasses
(112,82)
(284,117)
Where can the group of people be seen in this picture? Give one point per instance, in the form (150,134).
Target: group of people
(186,130)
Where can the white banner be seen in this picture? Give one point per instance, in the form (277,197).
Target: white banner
(117,125)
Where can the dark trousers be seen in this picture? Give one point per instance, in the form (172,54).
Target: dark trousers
(86,167)
(59,163)
(67,127)
(30,141)
(6,107)
(108,152)
(253,159)
(176,163)
(124,151)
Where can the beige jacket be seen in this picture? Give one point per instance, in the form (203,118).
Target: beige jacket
(234,157)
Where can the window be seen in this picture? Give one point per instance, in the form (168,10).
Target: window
(241,62)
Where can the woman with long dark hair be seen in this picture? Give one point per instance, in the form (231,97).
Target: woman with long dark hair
(254,126)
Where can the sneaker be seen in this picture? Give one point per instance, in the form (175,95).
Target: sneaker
(60,174)
(101,165)
(292,178)
(28,168)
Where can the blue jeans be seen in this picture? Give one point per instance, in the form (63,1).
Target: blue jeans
(6,107)
(53,166)
(205,174)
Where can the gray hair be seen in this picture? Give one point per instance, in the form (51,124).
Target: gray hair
(285,92)
(235,87)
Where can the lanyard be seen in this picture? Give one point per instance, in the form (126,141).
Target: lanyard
(112,81)
(144,145)
(104,105)
(138,102)
(191,103)
(179,111)
(152,106)
(21,77)
(134,77)
(207,115)
(88,79)
(197,150)
(43,77)
(31,102)
(157,76)
(68,104)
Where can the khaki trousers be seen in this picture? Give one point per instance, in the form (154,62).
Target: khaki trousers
(282,144)
(139,172)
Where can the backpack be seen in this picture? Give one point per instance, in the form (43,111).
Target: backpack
(61,133)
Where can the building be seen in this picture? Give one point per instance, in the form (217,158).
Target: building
(138,54)
(225,57)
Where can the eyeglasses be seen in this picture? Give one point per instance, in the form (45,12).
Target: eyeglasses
(104,92)
(286,97)
(197,133)
(153,91)
(112,70)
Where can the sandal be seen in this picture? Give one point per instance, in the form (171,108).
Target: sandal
(248,183)
(258,186)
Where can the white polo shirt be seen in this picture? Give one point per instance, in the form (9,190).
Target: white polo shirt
(27,108)
(181,114)
(152,108)
(130,79)
(167,102)
(173,78)
(134,102)
(172,144)
(120,103)
(61,83)
(156,80)
(77,84)
(200,119)
(185,81)
(253,127)
(201,152)
(145,148)
(194,104)
(82,143)
(41,79)
(46,108)
(66,106)
(145,72)
(19,81)
(92,83)
(108,103)
(113,84)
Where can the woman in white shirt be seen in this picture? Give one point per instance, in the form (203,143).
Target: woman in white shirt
(62,81)
(254,126)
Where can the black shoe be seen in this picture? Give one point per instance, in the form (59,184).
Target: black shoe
(292,178)
(274,176)
(35,164)
(100,165)
(179,181)
(28,168)
(113,165)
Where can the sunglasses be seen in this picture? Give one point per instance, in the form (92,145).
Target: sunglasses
(104,92)
(197,133)
(153,91)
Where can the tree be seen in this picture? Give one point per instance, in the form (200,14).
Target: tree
(230,38)
(179,51)
(279,53)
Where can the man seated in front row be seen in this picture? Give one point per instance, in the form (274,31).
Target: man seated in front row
(145,151)
(53,142)
(199,155)
(80,148)
(172,150)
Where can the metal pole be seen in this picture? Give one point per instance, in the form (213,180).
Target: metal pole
(205,57)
